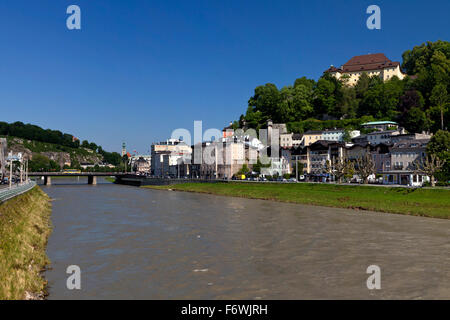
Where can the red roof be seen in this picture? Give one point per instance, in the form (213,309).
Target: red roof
(365,63)
(376,58)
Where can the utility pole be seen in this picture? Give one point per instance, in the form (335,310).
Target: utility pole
(296,168)
(10,173)
(215,159)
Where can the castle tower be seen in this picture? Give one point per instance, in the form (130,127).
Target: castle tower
(124,149)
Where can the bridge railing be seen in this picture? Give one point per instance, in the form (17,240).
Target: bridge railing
(54,174)
(17,189)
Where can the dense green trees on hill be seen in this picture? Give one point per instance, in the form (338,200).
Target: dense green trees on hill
(32,132)
(419,102)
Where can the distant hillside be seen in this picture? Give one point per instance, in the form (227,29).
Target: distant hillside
(61,155)
(55,149)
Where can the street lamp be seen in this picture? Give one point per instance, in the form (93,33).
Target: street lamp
(10,173)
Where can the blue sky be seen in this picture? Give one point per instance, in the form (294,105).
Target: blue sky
(139,69)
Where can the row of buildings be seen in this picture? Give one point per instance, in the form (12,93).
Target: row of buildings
(392,149)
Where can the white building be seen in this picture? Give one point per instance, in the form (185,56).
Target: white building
(378,137)
(167,153)
(333,135)
(371,64)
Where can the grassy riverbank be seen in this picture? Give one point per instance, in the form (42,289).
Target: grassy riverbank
(421,202)
(24,230)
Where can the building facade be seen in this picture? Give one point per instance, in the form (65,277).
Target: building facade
(371,64)
(167,153)
(403,155)
(380,125)
(311,137)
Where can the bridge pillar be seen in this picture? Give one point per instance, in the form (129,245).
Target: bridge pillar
(92,180)
(47,180)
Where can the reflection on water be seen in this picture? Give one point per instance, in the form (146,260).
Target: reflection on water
(147,244)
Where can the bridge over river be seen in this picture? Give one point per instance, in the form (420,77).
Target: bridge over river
(92,176)
(121,178)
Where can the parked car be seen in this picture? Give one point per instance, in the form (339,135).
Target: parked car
(356,180)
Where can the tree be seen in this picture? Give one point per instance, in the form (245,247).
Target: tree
(362,85)
(338,168)
(266,100)
(430,62)
(258,165)
(113,158)
(348,105)
(85,144)
(365,167)
(254,118)
(372,101)
(244,170)
(439,145)
(415,120)
(93,146)
(325,100)
(393,89)
(286,108)
(381,99)
(428,166)
(41,163)
(440,98)
(32,132)
(308,83)
(409,100)
(302,101)
(346,136)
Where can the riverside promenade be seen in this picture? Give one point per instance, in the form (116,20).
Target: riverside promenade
(7,193)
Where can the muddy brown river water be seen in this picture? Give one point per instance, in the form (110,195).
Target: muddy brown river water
(133,243)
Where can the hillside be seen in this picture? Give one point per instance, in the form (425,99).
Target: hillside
(418,102)
(61,155)
(52,149)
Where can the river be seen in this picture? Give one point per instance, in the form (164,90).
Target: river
(134,243)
